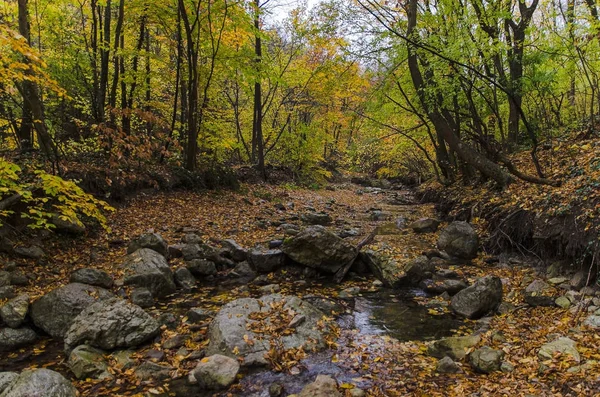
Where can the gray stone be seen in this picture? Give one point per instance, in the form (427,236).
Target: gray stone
(111,324)
(68,225)
(483,296)
(4,278)
(349,292)
(316,218)
(197,314)
(142,297)
(425,225)
(6,378)
(149,370)
(506,367)
(318,248)
(451,287)
(40,383)
(124,359)
(7,292)
(486,360)
(266,261)
(447,366)
(290,229)
(31,252)
(153,241)
(175,341)
(191,238)
(563,301)
(229,331)
(238,253)
(18,278)
(562,345)
(270,289)
(557,280)
(323,386)
(592,321)
(578,280)
(88,362)
(185,279)
(90,276)
(176,250)
(201,267)
(12,339)
(55,311)
(215,372)
(149,269)
(539,293)
(13,312)
(454,347)
(243,270)
(460,240)
(275,390)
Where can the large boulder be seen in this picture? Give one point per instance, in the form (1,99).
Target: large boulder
(55,311)
(460,240)
(201,267)
(454,347)
(237,252)
(147,268)
(318,248)
(266,261)
(111,324)
(316,218)
(215,372)
(479,299)
(153,241)
(246,328)
(6,378)
(12,339)
(90,276)
(323,386)
(13,312)
(40,383)
(88,362)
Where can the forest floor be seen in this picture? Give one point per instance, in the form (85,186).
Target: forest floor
(381,364)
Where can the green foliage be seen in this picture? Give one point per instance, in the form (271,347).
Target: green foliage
(46,196)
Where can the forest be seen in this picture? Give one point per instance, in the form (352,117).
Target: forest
(299,198)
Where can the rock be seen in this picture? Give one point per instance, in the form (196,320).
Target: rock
(191,238)
(506,367)
(356,392)
(32,252)
(592,321)
(275,390)
(88,362)
(55,311)
(243,270)
(111,324)
(349,292)
(153,241)
(383,267)
(539,293)
(184,278)
(270,289)
(562,345)
(18,278)
(12,339)
(425,225)
(7,292)
(176,250)
(196,315)
(4,278)
(454,347)
(323,386)
(290,229)
(452,287)
(231,328)
(238,253)
(149,370)
(479,299)
(13,312)
(90,276)
(67,226)
(6,378)
(149,269)
(578,280)
(447,366)
(460,240)
(557,280)
(215,372)
(318,248)
(379,215)
(266,261)
(168,320)
(124,359)
(142,297)
(326,305)
(275,244)
(155,355)
(316,218)
(563,301)
(40,383)
(175,341)
(486,360)
(201,267)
